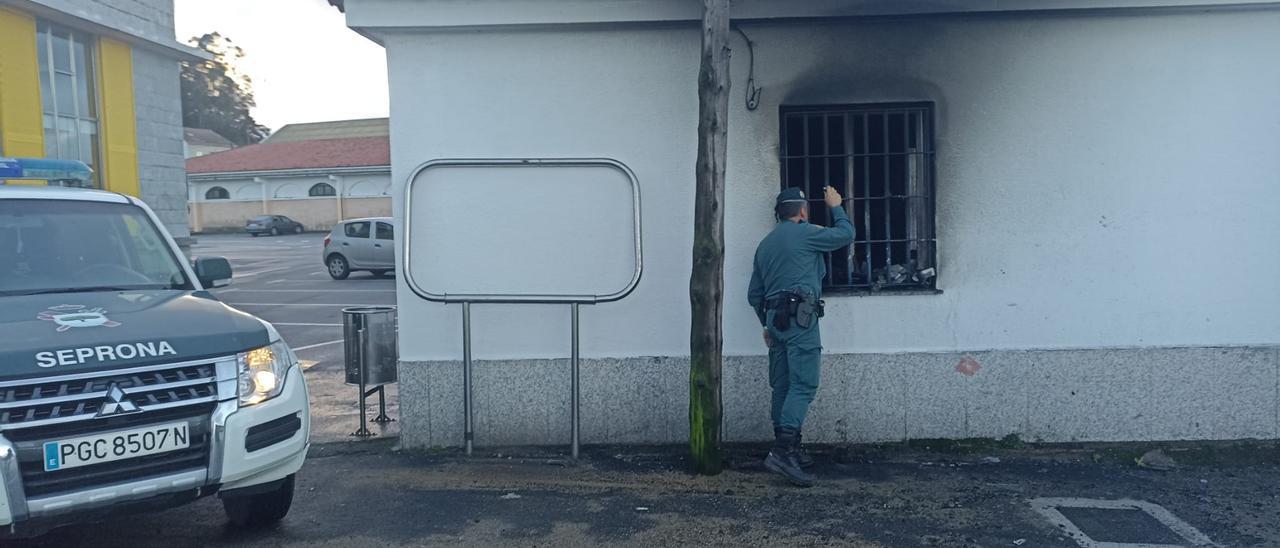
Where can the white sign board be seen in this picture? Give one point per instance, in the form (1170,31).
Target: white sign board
(522,230)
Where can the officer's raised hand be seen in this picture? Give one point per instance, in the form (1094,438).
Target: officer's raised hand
(833,197)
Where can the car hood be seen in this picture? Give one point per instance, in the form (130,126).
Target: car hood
(77,332)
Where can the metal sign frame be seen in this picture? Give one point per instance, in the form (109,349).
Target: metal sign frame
(573,300)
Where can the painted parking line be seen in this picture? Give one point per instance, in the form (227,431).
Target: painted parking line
(1053,510)
(307,364)
(310,346)
(318,290)
(303,304)
(259,272)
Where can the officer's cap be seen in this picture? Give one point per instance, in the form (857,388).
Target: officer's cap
(788,195)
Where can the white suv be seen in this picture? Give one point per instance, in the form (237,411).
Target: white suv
(123,383)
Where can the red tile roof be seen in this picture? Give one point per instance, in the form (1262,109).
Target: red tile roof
(349,152)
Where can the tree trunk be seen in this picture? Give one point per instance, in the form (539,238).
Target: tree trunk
(706,284)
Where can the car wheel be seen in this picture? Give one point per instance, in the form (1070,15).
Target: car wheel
(275,231)
(262,509)
(338,267)
(254,234)
(297,229)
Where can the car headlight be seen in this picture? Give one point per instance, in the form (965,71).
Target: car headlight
(262,372)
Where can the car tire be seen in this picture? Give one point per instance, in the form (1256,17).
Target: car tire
(378,273)
(262,509)
(254,234)
(275,231)
(338,267)
(297,229)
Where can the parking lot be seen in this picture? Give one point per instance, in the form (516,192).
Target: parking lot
(282,279)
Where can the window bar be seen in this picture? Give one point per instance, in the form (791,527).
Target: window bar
(849,199)
(804,154)
(786,154)
(884,164)
(907,209)
(866,182)
(926,143)
(826,172)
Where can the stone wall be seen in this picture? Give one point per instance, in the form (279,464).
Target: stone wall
(1039,395)
(161,167)
(313,213)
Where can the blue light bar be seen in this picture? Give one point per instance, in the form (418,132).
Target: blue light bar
(46,169)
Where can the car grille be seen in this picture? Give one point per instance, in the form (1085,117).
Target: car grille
(37,482)
(35,411)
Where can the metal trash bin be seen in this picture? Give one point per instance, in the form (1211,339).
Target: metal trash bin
(371,353)
(369,335)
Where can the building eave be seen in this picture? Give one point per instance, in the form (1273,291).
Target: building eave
(275,173)
(373,17)
(168,48)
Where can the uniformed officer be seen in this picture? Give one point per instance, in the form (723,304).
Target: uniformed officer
(785,291)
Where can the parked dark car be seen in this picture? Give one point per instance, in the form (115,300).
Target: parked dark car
(274,225)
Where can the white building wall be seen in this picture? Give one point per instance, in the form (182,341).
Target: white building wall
(246,189)
(1103,181)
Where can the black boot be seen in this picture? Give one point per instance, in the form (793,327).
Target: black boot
(802,458)
(782,458)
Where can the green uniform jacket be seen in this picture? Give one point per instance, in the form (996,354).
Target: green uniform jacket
(791,257)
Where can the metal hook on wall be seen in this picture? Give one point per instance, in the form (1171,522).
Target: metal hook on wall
(753,92)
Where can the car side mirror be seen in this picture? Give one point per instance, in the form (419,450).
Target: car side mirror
(213,271)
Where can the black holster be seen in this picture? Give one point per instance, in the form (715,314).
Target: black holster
(794,305)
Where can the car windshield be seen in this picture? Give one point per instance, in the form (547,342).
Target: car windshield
(64,246)
(262,219)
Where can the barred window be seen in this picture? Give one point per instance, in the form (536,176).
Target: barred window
(880,157)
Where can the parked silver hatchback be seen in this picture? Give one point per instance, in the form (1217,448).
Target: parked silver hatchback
(360,244)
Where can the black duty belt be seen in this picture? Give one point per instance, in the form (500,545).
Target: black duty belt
(794,305)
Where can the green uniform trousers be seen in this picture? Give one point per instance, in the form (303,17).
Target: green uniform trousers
(795,358)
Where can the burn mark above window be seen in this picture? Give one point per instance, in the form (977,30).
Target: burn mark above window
(880,157)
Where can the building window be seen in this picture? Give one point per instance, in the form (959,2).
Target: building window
(880,157)
(322,189)
(217,193)
(68,96)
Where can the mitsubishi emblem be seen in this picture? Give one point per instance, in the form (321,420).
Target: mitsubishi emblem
(116,403)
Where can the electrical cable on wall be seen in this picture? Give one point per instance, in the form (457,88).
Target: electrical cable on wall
(752,92)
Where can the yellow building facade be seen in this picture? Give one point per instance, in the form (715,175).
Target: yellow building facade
(83,81)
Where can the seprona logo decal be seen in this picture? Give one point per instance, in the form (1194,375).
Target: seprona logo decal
(67,316)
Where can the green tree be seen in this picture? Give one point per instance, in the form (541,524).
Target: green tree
(217,97)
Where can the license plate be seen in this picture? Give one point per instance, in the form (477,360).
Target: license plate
(126,444)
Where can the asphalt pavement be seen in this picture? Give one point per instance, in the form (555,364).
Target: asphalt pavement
(282,279)
(899,495)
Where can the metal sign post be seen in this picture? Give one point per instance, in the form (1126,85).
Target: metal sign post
(573,300)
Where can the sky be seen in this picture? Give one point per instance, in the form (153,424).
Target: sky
(306,65)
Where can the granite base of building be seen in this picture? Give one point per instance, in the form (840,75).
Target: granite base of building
(1040,395)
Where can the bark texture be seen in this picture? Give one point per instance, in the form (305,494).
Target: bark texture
(706,284)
